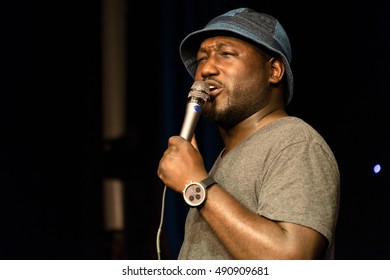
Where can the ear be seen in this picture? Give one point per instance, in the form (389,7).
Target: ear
(276,70)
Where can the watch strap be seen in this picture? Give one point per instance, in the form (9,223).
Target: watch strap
(209,181)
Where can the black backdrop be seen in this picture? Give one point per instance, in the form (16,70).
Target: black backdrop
(51,157)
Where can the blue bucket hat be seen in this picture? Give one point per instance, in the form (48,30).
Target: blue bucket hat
(259,28)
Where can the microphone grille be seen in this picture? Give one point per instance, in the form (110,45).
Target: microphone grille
(200,86)
(199,89)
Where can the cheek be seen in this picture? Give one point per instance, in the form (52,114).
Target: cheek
(197,75)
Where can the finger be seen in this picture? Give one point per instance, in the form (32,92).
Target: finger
(175,140)
(194,143)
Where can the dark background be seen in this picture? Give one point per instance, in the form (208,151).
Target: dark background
(51,157)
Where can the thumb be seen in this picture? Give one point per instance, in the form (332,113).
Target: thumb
(194,143)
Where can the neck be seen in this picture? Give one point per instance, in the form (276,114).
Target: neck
(234,135)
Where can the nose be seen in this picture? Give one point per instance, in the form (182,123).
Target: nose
(208,68)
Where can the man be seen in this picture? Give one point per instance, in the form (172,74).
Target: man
(273,192)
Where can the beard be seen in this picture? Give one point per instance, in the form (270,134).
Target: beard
(239,105)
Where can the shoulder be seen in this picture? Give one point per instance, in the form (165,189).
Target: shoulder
(291,135)
(293,129)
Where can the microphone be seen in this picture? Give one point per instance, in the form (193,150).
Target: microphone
(197,98)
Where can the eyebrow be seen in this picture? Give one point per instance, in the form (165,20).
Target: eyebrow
(217,46)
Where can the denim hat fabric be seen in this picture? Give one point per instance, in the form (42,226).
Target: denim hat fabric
(258,27)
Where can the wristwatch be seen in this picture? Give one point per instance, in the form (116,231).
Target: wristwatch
(195,193)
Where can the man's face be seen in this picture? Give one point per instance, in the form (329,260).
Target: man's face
(238,74)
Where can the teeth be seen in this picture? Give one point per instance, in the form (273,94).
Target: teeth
(211,87)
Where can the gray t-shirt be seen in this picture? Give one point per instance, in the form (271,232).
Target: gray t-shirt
(285,171)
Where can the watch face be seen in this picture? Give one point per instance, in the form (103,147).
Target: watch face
(194,194)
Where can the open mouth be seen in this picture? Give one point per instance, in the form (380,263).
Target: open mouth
(214,89)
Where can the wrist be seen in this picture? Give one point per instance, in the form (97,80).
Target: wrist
(195,193)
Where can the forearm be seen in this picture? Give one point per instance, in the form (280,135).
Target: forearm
(247,235)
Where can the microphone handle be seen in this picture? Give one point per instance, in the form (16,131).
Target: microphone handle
(193,111)
(197,97)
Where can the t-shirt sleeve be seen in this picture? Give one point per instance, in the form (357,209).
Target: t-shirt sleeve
(301,186)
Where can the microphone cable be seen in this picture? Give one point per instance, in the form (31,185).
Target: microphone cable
(161,224)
